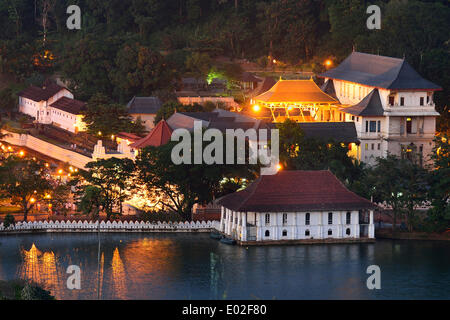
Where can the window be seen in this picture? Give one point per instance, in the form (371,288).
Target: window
(307,218)
(402,101)
(421,101)
(267,233)
(348,218)
(330,217)
(366,146)
(391,100)
(284,218)
(357,119)
(347,231)
(408,125)
(428,99)
(373,146)
(307,233)
(284,233)
(330,232)
(353,118)
(373,126)
(367,126)
(379,146)
(267,218)
(379,126)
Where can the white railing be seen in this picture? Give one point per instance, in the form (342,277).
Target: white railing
(111,226)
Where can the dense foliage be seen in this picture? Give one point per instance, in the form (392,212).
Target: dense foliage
(131,47)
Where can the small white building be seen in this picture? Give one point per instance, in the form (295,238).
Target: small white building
(295,207)
(52,104)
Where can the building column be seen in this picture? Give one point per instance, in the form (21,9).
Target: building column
(371,226)
(244,226)
(222,222)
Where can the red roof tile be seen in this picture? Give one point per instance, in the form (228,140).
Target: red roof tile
(294,191)
(69,105)
(159,136)
(41,94)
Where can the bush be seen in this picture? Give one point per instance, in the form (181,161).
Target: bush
(9,220)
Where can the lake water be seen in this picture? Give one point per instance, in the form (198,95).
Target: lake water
(193,266)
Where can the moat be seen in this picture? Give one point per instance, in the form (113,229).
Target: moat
(193,266)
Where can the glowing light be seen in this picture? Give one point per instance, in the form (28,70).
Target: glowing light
(21,153)
(279,167)
(71,169)
(32,200)
(99,133)
(47,165)
(60,171)
(328,62)
(274,61)
(256,108)
(289,108)
(444,139)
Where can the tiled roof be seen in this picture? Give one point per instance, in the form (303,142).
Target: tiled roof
(299,91)
(380,72)
(40,94)
(144,105)
(328,88)
(295,191)
(159,136)
(248,77)
(369,106)
(69,105)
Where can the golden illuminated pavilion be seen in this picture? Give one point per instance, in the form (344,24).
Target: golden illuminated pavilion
(299,100)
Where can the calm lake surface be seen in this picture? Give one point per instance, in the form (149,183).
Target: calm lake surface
(193,266)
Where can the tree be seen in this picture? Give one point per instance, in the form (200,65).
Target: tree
(7,101)
(110,181)
(24,181)
(107,118)
(400,184)
(185,184)
(141,71)
(198,65)
(439,192)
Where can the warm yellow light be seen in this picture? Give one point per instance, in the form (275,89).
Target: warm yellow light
(60,171)
(46,165)
(76,170)
(9,148)
(71,169)
(289,108)
(32,200)
(274,61)
(444,139)
(256,108)
(99,133)
(279,167)
(21,153)
(47,196)
(328,62)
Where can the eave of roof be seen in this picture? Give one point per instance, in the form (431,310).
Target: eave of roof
(379,72)
(369,106)
(295,91)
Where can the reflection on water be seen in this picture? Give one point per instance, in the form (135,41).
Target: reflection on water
(190,266)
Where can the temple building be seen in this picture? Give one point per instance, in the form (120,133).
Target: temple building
(389,102)
(299,100)
(296,207)
(52,104)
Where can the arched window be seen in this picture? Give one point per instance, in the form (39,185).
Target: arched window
(330,217)
(307,233)
(284,233)
(348,218)
(347,232)
(267,233)
(330,232)
(307,218)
